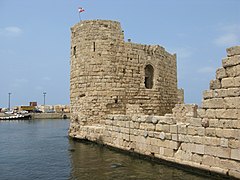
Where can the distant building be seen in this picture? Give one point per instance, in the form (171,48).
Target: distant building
(33,104)
(26,108)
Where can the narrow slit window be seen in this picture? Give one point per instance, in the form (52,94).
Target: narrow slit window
(94,46)
(149,72)
(74,51)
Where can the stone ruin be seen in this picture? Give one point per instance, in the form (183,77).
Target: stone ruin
(125,95)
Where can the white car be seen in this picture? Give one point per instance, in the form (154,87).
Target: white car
(23,112)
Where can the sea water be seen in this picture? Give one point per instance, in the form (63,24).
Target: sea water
(41,149)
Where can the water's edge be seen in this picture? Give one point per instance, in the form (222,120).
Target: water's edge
(152,159)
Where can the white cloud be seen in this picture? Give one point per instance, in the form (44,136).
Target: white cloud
(230,35)
(206,70)
(11,31)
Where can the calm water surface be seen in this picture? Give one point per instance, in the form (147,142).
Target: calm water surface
(40,149)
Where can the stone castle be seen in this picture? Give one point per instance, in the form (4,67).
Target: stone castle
(125,95)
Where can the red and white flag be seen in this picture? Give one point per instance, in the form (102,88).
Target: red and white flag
(80,10)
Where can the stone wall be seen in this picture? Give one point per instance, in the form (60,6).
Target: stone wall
(180,96)
(107,74)
(51,115)
(207,138)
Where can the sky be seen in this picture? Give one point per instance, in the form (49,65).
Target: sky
(35,41)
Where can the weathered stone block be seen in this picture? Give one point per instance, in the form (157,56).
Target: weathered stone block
(197,158)
(175,137)
(201,113)
(168,152)
(154,149)
(231,61)
(211,113)
(165,119)
(182,128)
(221,73)
(192,130)
(213,141)
(213,123)
(217,151)
(228,82)
(232,51)
(173,129)
(183,155)
(225,133)
(224,142)
(235,154)
(232,102)
(233,71)
(166,128)
(221,93)
(216,103)
(233,143)
(215,84)
(229,164)
(210,132)
(180,111)
(234,173)
(183,138)
(199,149)
(210,160)
(198,139)
(194,121)
(208,94)
(159,127)
(237,81)
(227,113)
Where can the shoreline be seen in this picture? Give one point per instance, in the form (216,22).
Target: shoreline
(45,115)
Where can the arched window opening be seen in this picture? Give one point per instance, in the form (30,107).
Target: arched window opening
(149,71)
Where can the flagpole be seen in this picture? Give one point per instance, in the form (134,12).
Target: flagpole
(79,17)
(80,10)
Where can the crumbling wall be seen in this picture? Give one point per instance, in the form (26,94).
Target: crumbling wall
(206,138)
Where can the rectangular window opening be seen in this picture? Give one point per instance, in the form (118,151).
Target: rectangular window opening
(94,46)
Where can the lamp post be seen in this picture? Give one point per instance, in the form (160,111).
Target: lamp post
(44,97)
(9,101)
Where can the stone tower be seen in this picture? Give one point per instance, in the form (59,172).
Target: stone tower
(111,76)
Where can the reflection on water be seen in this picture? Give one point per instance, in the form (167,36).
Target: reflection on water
(90,161)
(40,149)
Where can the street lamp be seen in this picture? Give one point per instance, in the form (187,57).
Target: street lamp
(44,97)
(9,100)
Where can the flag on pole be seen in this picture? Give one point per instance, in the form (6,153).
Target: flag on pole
(80,10)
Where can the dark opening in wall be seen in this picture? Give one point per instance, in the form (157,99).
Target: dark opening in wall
(94,46)
(149,72)
(74,51)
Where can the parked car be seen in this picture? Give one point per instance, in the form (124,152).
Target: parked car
(50,111)
(37,111)
(23,112)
